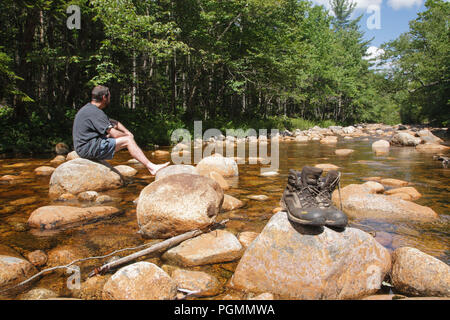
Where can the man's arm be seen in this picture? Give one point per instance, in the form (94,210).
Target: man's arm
(118,130)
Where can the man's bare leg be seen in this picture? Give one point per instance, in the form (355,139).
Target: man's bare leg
(136,152)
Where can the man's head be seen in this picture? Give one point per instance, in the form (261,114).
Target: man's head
(101,96)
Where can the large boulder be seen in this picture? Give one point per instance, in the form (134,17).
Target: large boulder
(175,169)
(140,281)
(55,217)
(360,201)
(177,204)
(227,167)
(80,175)
(297,263)
(405,139)
(418,274)
(214,247)
(14,270)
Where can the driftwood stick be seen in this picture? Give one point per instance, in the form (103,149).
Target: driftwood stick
(160,246)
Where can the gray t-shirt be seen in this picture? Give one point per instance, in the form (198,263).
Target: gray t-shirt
(89,128)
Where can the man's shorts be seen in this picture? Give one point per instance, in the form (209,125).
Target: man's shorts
(107,149)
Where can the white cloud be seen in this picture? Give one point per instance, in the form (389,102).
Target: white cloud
(399,4)
(373,53)
(360,4)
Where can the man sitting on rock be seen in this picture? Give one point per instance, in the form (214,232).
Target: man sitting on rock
(97,137)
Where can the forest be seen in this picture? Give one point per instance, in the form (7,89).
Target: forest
(282,64)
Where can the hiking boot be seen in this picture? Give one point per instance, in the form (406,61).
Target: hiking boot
(334,217)
(298,198)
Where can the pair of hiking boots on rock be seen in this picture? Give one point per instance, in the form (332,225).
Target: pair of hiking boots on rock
(307,198)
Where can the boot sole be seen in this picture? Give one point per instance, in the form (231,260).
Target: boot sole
(301,221)
(335,224)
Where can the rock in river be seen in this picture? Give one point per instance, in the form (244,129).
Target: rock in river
(140,281)
(175,169)
(44,171)
(213,247)
(201,282)
(80,175)
(227,167)
(177,204)
(419,274)
(296,263)
(14,270)
(359,201)
(55,217)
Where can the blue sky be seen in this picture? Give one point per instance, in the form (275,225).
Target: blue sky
(394,17)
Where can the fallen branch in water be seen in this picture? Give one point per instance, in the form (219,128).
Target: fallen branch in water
(164,245)
(161,246)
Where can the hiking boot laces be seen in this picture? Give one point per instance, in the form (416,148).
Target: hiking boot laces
(323,194)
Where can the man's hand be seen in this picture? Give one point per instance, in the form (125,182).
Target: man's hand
(118,130)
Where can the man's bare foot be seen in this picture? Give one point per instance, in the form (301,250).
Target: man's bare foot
(156,167)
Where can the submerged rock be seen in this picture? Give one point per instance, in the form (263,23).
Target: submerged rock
(140,281)
(214,247)
(55,217)
(177,204)
(418,274)
(258,197)
(80,175)
(298,263)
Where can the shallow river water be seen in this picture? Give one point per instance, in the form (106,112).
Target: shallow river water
(103,237)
